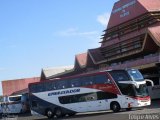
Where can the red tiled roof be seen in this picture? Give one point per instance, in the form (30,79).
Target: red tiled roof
(155,34)
(125,10)
(96,55)
(20,92)
(82,59)
(11,86)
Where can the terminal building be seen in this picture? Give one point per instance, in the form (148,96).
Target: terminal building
(131,40)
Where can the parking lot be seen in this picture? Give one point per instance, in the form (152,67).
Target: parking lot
(153,110)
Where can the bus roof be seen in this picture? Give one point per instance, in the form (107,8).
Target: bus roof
(79,75)
(74,76)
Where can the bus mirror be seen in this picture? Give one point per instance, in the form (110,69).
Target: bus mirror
(133,83)
(137,85)
(148,80)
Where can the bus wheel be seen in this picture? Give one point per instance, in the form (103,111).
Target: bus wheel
(49,113)
(115,107)
(58,112)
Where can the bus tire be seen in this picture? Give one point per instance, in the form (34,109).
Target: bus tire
(115,107)
(58,112)
(49,113)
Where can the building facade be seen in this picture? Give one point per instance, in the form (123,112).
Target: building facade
(131,40)
(17,86)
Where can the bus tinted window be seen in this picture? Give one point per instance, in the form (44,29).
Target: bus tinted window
(41,88)
(126,89)
(135,75)
(105,95)
(15,98)
(77,98)
(119,75)
(74,82)
(69,83)
(86,97)
(50,86)
(101,79)
(32,88)
(87,81)
(62,84)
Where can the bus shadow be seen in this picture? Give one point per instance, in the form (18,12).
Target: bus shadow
(78,116)
(155,104)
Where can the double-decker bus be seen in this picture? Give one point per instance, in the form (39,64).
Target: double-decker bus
(110,89)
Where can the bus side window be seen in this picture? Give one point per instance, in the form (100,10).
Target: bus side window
(91,98)
(48,86)
(75,82)
(82,98)
(32,88)
(54,86)
(62,84)
(101,79)
(87,81)
(90,80)
(41,87)
(120,75)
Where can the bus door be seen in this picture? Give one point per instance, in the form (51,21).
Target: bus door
(87,106)
(83,102)
(94,104)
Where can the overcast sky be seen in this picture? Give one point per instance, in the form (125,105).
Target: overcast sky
(36,34)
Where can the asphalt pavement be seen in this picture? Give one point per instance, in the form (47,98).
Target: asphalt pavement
(146,113)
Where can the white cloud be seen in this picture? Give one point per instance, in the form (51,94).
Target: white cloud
(92,36)
(103,19)
(2,69)
(75,32)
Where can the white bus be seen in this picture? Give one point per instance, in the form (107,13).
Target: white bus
(15,104)
(113,89)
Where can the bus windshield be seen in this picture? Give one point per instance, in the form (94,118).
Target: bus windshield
(132,90)
(15,98)
(120,75)
(135,75)
(141,91)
